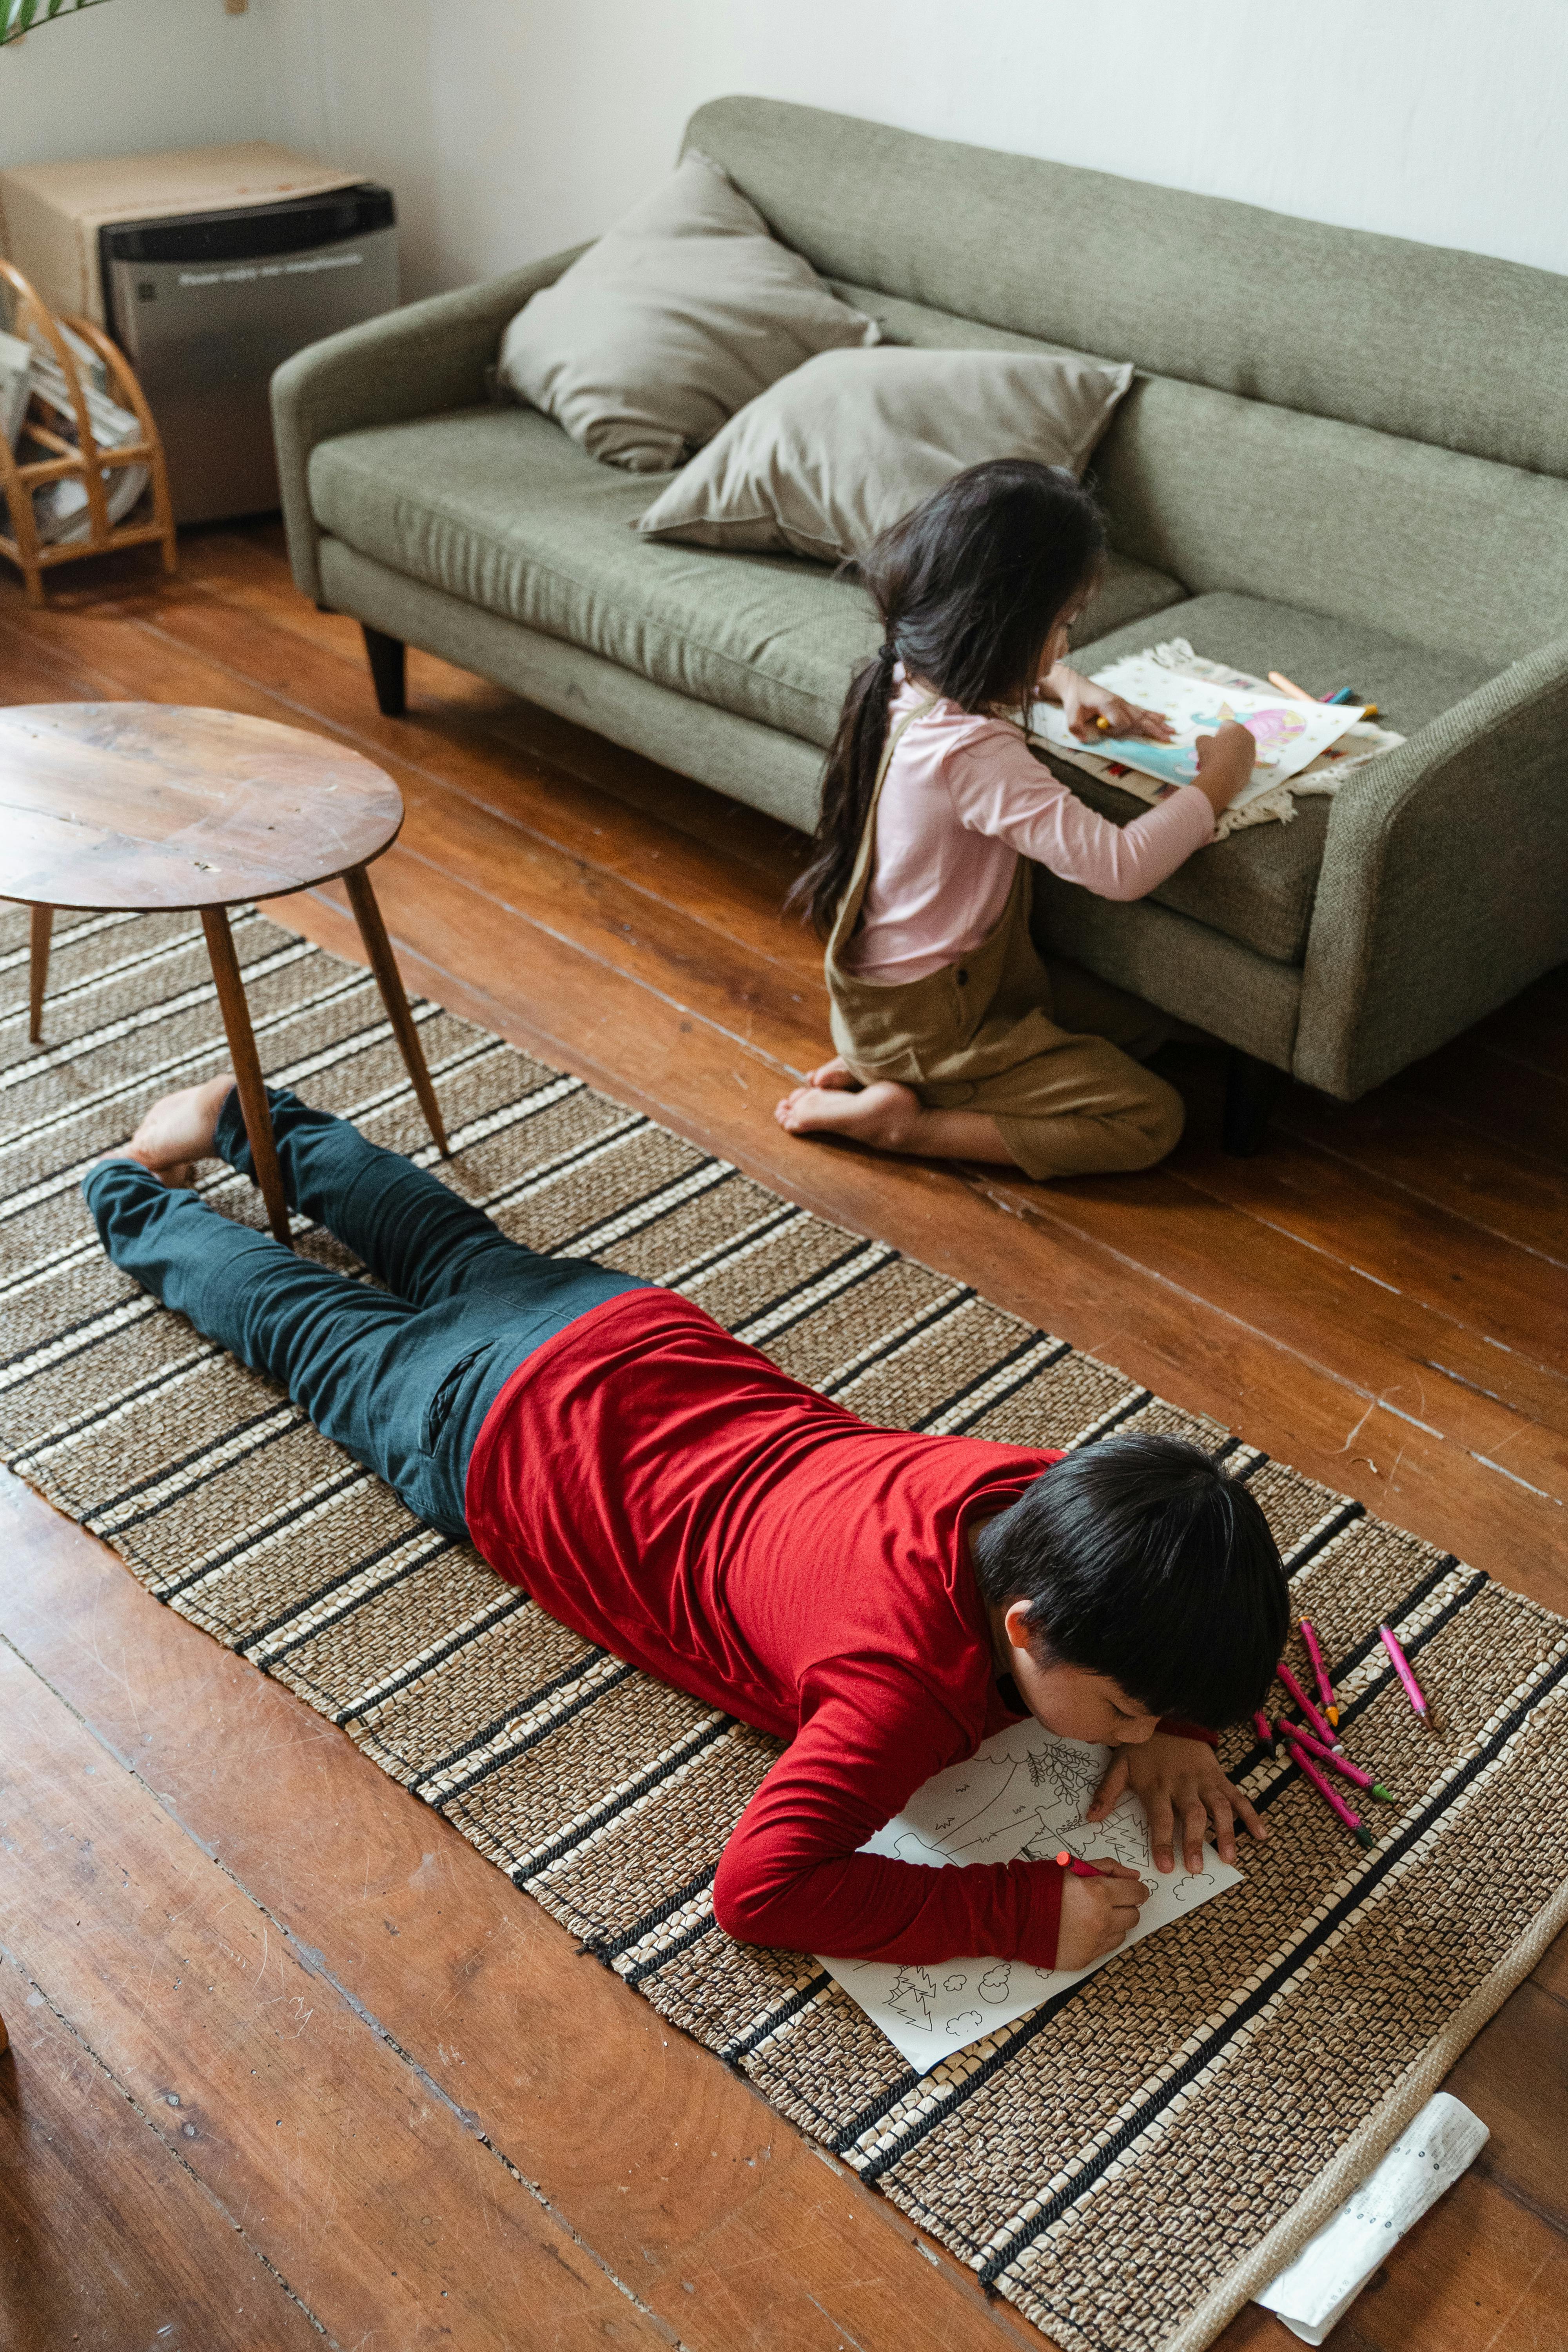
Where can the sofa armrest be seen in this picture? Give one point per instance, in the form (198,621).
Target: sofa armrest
(1444,888)
(415,361)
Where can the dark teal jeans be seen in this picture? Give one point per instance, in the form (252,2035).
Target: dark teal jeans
(400,1377)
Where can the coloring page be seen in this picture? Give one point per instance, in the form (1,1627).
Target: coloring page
(1290,735)
(1022,1793)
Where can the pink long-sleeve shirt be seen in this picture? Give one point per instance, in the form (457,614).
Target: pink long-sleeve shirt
(962,800)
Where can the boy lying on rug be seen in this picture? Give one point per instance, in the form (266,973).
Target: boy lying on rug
(881,1601)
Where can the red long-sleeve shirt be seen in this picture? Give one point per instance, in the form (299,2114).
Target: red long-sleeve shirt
(663,1488)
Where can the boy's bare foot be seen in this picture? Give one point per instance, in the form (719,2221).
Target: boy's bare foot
(178,1130)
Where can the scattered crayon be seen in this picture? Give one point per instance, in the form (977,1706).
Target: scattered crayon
(1278,678)
(1314,1719)
(1266,1737)
(1340,1764)
(1352,1821)
(1413,1689)
(1325,1688)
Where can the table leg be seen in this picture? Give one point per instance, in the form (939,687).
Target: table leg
(39,970)
(247,1068)
(389,980)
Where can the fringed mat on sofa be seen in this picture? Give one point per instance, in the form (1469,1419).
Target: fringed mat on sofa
(1126,2164)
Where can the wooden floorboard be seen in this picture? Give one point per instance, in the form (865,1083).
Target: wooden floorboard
(1381,1299)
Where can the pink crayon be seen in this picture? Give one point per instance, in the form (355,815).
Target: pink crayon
(1310,1771)
(1340,1764)
(1325,1688)
(1065,1860)
(1413,1689)
(1266,1737)
(1307,1709)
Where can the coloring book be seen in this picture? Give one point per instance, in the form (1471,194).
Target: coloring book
(1023,1792)
(1290,734)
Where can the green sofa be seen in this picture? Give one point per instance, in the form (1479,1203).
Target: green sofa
(1345,457)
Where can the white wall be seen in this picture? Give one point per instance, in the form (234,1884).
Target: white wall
(139,75)
(509,127)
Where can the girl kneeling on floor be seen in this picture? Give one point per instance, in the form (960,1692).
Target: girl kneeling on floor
(954,1039)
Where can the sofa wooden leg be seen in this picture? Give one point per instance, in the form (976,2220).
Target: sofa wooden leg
(385,657)
(1251,1090)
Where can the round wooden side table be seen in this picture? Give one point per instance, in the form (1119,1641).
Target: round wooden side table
(144,807)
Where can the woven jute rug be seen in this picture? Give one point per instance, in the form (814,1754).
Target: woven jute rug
(1127,2163)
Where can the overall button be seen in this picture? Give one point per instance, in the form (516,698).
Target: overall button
(961,977)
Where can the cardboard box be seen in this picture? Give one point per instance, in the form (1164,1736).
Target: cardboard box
(50,214)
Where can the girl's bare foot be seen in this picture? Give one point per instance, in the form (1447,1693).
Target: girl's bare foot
(178,1130)
(884,1115)
(890,1117)
(835,1074)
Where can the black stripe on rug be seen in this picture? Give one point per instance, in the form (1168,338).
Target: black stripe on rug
(919,1327)
(507,1606)
(756,2035)
(606,1946)
(1323,1535)
(593,1656)
(1029,1346)
(424,1544)
(681,1278)
(533,1866)
(813,1290)
(174,1587)
(530,1739)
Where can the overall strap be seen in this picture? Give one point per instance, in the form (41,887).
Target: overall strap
(849,905)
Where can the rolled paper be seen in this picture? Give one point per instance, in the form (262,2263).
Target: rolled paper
(1352,1821)
(1325,1688)
(1307,1709)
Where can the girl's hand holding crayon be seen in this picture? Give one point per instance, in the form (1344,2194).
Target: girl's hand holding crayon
(1225,763)
(1085,704)
(1098,1914)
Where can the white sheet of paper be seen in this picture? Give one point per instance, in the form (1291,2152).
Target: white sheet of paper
(1290,734)
(1023,1792)
(1312,2296)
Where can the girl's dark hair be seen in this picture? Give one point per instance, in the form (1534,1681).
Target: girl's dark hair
(969,586)
(1142,1560)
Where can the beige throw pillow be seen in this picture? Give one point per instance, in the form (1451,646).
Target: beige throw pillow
(831,455)
(682,314)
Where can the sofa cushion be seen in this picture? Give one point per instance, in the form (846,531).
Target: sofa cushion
(842,448)
(1257,884)
(1231,494)
(678,316)
(498,507)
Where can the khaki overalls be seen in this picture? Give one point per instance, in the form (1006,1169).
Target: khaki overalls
(1045,1048)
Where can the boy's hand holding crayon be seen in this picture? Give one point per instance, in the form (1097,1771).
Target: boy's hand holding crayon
(1100,1903)
(1179,1781)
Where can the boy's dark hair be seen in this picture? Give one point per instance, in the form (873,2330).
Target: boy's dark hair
(969,586)
(1142,1560)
